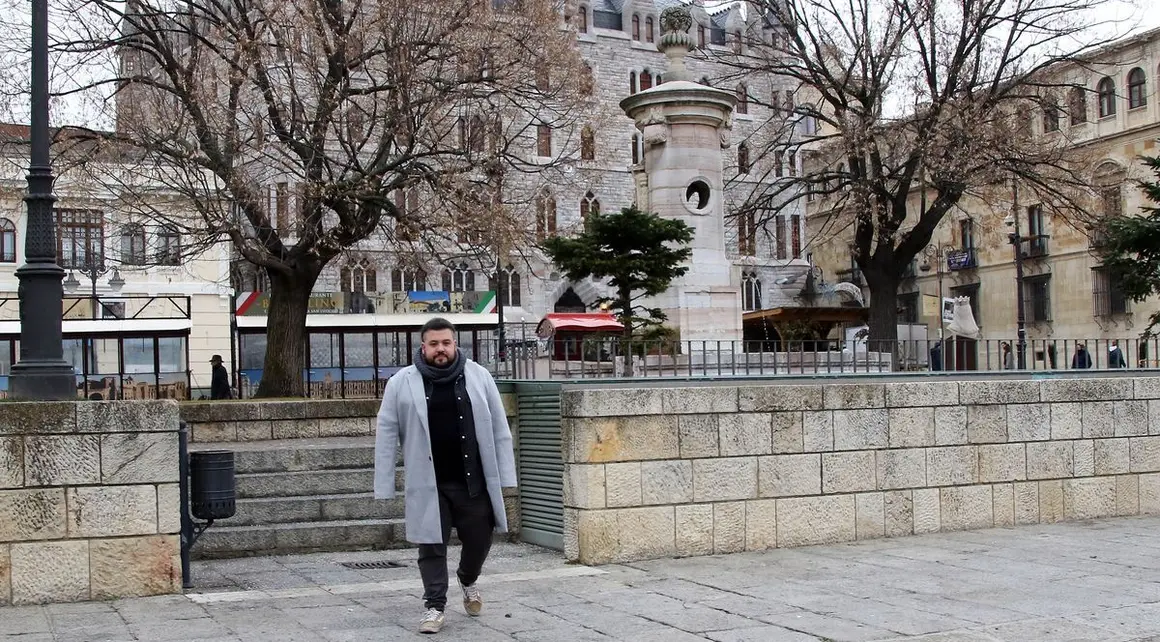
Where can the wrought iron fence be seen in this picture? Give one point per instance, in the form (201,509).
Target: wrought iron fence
(606,358)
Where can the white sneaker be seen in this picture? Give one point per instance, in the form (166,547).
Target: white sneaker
(472,601)
(432,621)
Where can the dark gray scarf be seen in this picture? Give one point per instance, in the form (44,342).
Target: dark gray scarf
(444,374)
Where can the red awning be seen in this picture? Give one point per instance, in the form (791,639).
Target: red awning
(578,322)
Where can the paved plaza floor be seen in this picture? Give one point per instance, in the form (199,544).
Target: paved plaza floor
(1088,581)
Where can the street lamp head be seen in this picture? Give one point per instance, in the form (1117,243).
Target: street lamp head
(116,282)
(71,283)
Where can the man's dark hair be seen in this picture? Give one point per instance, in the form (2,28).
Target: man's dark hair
(438,323)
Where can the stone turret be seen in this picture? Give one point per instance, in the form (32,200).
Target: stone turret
(685,126)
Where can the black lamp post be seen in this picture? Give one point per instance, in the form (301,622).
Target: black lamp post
(1016,240)
(42,373)
(95,272)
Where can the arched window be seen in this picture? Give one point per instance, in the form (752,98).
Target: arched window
(7,241)
(545,215)
(543,79)
(507,291)
(1077,105)
(637,149)
(646,80)
(737,42)
(747,233)
(648,29)
(700,36)
(460,279)
(133,244)
(582,19)
(635,27)
(742,99)
(587,144)
(742,159)
(1050,113)
(408,280)
(589,205)
(587,80)
(544,140)
(1137,88)
(169,246)
(632,82)
(750,292)
(1106,94)
(358,277)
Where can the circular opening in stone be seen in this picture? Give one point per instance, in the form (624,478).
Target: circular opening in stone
(697,195)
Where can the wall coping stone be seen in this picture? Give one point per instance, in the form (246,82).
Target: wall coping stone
(260,409)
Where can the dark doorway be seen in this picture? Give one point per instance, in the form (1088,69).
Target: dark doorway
(569,301)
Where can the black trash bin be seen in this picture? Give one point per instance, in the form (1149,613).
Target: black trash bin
(212,491)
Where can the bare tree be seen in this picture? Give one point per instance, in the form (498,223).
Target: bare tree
(896,97)
(298,130)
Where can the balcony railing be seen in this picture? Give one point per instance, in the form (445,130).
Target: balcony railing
(1036,246)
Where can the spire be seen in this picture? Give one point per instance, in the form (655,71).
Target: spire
(675,40)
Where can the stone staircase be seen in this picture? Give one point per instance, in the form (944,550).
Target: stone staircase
(304,495)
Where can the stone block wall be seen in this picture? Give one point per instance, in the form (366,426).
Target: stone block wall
(224,421)
(698,470)
(89,501)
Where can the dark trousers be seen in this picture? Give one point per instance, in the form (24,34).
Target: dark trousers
(474,522)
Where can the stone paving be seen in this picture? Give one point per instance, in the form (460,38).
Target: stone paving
(1088,581)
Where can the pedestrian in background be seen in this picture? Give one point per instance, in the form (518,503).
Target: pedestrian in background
(457,456)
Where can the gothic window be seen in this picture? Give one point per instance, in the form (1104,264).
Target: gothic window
(582,19)
(543,140)
(648,29)
(632,82)
(1050,114)
(545,215)
(508,292)
(407,223)
(637,149)
(358,277)
(635,28)
(742,159)
(747,234)
(742,99)
(589,205)
(750,292)
(460,279)
(587,144)
(646,80)
(408,280)
(700,36)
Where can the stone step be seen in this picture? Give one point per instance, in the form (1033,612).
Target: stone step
(304,537)
(308,482)
(289,455)
(314,508)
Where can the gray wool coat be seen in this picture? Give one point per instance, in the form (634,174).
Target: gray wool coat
(403,419)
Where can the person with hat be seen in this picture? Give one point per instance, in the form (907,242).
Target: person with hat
(219,387)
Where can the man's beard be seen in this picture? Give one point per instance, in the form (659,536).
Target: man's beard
(439,359)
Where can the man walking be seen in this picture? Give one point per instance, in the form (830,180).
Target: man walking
(219,384)
(457,455)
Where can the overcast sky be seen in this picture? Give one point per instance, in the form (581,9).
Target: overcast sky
(1131,16)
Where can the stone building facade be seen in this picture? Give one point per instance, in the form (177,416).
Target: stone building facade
(1108,115)
(618,41)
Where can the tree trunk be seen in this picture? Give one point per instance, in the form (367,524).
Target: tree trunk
(883,323)
(286,335)
(626,337)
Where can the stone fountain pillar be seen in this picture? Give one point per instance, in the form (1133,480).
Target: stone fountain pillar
(685,126)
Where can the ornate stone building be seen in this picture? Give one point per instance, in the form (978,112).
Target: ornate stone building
(618,41)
